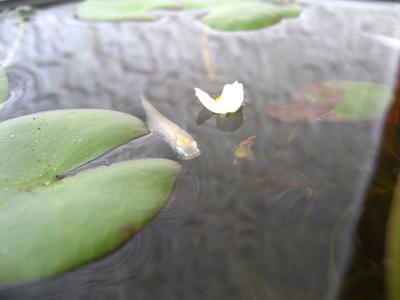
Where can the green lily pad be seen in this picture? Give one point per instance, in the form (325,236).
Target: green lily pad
(50,223)
(335,101)
(36,148)
(3,86)
(292,10)
(198,4)
(80,218)
(249,15)
(119,10)
(361,100)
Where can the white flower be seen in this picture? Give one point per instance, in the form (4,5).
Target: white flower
(230,100)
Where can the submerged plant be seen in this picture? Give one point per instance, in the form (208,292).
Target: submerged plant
(333,101)
(244,149)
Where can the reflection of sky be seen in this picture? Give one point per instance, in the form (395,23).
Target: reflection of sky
(388,41)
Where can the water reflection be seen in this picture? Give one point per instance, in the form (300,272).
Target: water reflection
(17,86)
(278,226)
(229,122)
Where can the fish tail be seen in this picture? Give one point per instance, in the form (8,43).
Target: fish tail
(146,104)
(148,108)
(153,116)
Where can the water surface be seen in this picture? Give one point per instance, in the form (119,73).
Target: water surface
(279,226)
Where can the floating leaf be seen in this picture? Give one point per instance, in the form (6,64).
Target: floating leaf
(291,10)
(198,4)
(118,10)
(35,148)
(48,225)
(249,15)
(53,228)
(335,101)
(3,86)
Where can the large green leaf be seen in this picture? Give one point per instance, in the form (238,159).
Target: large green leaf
(3,86)
(36,148)
(118,10)
(75,220)
(51,223)
(249,15)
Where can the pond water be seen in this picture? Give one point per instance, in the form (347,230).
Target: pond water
(279,226)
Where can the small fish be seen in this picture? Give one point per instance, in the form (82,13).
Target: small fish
(182,142)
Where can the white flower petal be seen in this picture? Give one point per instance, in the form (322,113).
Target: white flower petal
(207,101)
(232,96)
(230,101)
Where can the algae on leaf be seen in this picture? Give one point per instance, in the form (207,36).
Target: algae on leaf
(51,223)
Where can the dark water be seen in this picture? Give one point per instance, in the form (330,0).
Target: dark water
(277,227)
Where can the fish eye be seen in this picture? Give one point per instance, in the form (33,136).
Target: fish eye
(179,152)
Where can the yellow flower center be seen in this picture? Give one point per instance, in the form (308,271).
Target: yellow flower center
(219,98)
